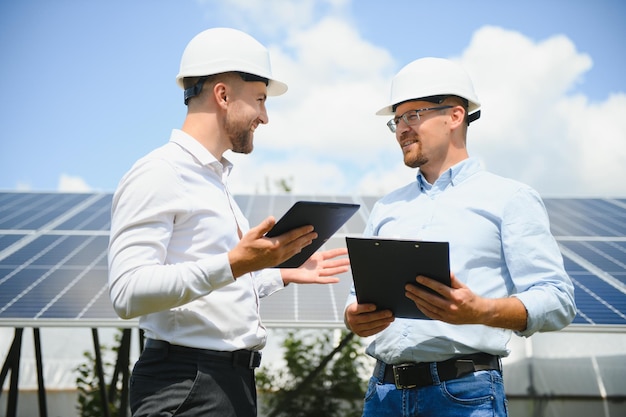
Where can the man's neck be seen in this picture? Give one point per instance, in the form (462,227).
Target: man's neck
(202,127)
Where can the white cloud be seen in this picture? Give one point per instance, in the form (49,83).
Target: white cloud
(336,81)
(323,133)
(598,130)
(380,182)
(23,186)
(71,184)
(278,17)
(305,176)
(534,127)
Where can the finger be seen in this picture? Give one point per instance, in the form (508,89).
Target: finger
(423,303)
(355,309)
(430,312)
(333,263)
(333,271)
(455,283)
(417,293)
(427,282)
(329,267)
(371,327)
(328,280)
(333,253)
(262,228)
(427,299)
(299,234)
(363,308)
(426,302)
(434,285)
(411,292)
(375,318)
(371,331)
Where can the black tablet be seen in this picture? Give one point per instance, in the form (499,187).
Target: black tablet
(382,267)
(325,217)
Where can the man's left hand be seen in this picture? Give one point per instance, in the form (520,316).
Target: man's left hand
(456,304)
(320,268)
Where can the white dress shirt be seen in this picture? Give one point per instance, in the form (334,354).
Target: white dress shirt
(173,224)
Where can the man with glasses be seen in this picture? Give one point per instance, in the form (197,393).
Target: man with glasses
(507,272)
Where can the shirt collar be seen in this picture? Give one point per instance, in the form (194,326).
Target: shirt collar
(454,175)
(200,153)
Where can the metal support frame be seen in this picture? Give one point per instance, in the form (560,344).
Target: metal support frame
(12,363)
(41,388)
(122,370)
(100,372)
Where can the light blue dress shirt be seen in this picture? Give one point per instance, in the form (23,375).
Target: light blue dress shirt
(500,246)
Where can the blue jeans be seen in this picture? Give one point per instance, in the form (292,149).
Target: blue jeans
(479,394)
(173,384)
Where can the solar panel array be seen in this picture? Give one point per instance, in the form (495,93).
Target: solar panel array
(53,265)
(592,237)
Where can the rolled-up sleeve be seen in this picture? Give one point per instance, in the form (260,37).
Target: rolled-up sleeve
(535,264)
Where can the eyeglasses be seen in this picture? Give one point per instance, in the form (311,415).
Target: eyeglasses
(412,117)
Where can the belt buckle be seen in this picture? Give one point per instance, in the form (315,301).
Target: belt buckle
(464,367)
(399,374)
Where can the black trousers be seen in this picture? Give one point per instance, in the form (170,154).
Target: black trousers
(165,382)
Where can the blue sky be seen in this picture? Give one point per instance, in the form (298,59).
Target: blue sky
(88,88)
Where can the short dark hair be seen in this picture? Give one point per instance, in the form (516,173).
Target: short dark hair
(193,85)
(251,77)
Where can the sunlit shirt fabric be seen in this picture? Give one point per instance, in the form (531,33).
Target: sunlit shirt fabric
(173,223)
(500,246)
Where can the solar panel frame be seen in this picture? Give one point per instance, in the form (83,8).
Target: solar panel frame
(53,269)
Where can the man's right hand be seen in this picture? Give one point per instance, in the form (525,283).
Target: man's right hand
(255,251)
(364,320)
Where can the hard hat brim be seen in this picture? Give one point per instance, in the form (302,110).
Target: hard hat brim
(276,88)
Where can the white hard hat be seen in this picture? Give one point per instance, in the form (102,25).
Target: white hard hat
(219,50)
(428,77)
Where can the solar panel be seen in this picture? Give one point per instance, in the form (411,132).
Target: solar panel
(587,217)
(53,268)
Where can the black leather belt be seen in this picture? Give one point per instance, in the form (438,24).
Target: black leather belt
(244,358)
(415,375)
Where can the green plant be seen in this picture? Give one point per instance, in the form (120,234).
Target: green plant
(319,379)
(88,384)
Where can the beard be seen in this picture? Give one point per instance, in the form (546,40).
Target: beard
(240,135)
(414,161)
(415,158)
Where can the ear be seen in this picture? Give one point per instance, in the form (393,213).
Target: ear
(457,116)
(220,93)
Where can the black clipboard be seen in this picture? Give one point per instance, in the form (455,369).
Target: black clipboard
(382,267)
(326,218)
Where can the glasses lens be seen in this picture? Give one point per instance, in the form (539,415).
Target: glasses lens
(411,117)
